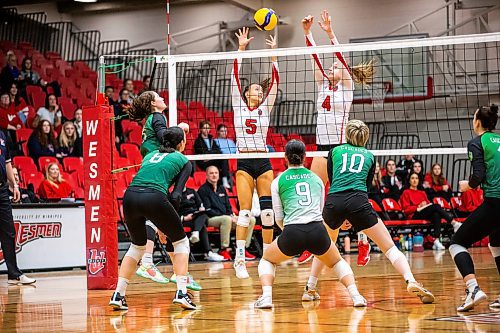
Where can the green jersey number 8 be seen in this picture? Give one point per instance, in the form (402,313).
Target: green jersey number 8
(158,157)
(304,190)
(352,165)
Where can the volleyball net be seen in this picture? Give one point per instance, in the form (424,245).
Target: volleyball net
(420,100)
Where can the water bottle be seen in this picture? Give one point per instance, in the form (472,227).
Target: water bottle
(402,242)
(410,243)
(418,243)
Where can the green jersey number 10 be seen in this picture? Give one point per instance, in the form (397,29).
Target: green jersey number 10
(352,164)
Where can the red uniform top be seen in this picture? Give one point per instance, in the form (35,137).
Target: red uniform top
(410,199)
(471,199)
(53,190)
(437,188)
(8,116)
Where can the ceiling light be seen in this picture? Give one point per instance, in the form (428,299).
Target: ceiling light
(86,1)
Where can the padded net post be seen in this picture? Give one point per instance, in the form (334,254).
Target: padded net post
(100,202)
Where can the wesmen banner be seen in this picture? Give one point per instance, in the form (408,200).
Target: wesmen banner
(100,202)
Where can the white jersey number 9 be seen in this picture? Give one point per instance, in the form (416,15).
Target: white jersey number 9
(304,190)
(353,163)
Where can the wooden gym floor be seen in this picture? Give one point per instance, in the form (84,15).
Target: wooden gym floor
(61,303)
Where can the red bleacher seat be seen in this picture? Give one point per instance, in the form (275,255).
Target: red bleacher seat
(192,184)
(456,202)
(38,99)
(121,185)
(234,205)
(391,205)
(278,164)
(135,136)
(67,107)
(70,179)
(375,206)
(442,202)
(35,178)
(44,161)
(79,193)
(72,163)
(200,177)
(232,165)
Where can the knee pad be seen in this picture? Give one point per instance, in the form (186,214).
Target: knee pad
(267,218)
(456,249)
(393,254)
(182,246)
(342,269)
(244,218)
(266,268)
(135,252)
(151,225)
(495,250)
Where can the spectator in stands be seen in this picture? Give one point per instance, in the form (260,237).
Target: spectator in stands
(192,215)
(9,119)
(50,112)
(405,166)
(470,200)
(54,186)
(220,213)
(391,183)
(436,185)
(227,146)
(69,142)
(205,144)
(146,84)
(42,141)
(29,77)
(129,85)
(376,189)
(78,121)
(19,103)
(10,73)
(27,194)
(418,169)
(109,91)
(120,110)
(416,206)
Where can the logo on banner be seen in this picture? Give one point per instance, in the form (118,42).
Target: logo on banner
(96,261)
(28,232)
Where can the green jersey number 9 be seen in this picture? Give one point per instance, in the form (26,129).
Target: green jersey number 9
(304,190)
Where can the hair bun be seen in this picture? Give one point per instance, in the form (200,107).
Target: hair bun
(494,108)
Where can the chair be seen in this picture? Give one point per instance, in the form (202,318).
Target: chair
(375,206)
(70,179)
(200,177)
(24,163)
(46,160)
(135,136)
(456,202)
(67,107)
(72,163)
(391,205)
(35,178)
(442,202)
(79,193)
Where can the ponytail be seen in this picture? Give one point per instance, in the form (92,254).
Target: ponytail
(141,106)
(488,116)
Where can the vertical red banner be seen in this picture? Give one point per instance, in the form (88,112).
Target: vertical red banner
(100,202)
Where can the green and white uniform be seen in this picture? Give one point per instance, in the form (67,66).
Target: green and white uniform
(152,132)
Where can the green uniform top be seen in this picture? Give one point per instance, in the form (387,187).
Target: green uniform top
(350,168)
(158,170)
(484,153)
(298,196)
(153,129)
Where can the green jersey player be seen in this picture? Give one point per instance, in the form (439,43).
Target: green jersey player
(350,169)
(298,197)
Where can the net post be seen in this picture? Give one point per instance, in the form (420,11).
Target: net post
(172,92)
(100,203)
(101,82)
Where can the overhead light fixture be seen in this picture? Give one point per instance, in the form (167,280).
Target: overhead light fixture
(86,1)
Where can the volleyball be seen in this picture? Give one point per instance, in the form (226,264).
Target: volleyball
(265,19)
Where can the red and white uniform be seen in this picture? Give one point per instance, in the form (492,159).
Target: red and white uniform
(251,125)
(333,104)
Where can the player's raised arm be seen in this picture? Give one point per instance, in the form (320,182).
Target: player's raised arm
(319,75)
(243,41)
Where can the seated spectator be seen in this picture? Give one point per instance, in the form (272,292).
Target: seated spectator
(417,206)
(27,195)
(436,185)
(146,83)
(9,119)
(42,141)
(120,110)
(418,169)
(405,166)
(69,142)
(191,211)
(471,199)
(50,112)
(19,104)
(227,146)
(10,73)
(128,84)
(391,183)
(205,144)
(220,213)
(376,189)
(54,186)
(29,77)
(109,91)
(78,121)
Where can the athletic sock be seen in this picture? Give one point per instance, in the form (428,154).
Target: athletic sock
(362,237)
(267,291)
(471,284)
(121,286)
(312,282)
(182,281)
(147,259)
(240,249)
(408,276)
(353,290)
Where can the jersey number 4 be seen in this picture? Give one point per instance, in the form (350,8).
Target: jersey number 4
(251,126)
(326,104)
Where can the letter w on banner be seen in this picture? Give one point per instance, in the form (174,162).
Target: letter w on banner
(100,202)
